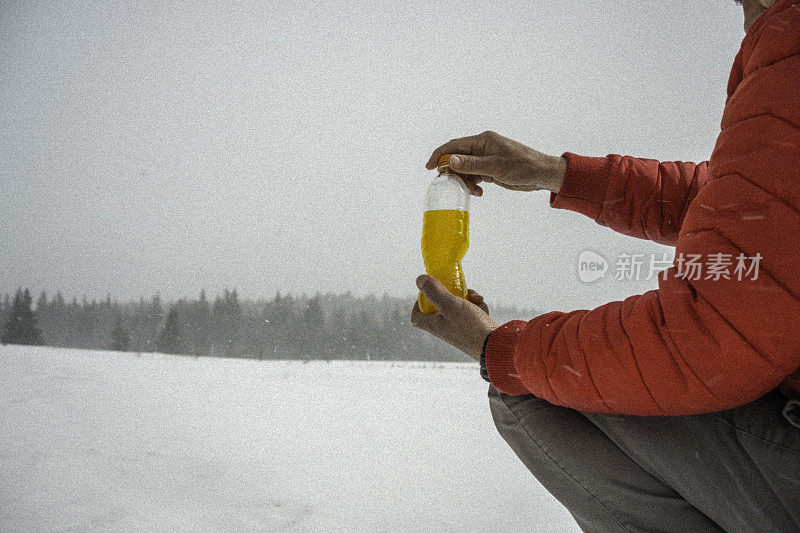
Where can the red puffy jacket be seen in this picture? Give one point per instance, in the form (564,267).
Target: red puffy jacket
(693,345)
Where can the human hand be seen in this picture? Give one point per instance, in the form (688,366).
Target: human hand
(462,323)
(490,157)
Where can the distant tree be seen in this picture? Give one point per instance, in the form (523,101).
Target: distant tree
(57,332)
(359,330)
(22,326)
(226,325)
(120,337)
(146,322)
(311,335)
(197,331)
(41,303)
(313,315)
(339,344)
(140,334)
(170,340)
(280,319)
(155,317)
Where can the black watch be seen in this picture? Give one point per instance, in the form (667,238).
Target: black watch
(484,372)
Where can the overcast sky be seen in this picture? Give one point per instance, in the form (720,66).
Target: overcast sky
(174,146)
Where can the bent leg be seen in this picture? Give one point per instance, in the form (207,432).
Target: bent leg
(741,467)
(603,488)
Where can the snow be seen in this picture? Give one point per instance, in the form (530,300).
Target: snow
(104,441)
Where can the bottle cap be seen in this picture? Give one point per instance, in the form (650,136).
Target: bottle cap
(444,163)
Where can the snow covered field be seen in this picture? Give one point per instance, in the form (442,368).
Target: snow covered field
(102,441)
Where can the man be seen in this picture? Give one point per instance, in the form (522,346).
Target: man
(678,409)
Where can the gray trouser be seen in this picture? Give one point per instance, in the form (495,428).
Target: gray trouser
(735,470)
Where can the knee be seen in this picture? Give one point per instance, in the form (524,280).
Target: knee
(501,414)
(511,414)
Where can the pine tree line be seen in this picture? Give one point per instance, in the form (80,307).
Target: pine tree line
(323,326)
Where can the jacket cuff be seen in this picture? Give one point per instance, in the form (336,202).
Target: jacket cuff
(585,185)
(500,366)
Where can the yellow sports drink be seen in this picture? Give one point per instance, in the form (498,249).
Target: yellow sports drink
(445,232)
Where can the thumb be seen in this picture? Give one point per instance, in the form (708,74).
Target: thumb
(435,292)
(473,164)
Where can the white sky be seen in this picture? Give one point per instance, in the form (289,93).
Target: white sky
(171,146)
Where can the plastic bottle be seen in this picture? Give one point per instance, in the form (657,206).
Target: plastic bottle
(445,232)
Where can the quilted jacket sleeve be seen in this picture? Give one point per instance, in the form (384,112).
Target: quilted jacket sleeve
(696,344)
(638,197)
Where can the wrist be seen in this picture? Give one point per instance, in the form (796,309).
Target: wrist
(557,174)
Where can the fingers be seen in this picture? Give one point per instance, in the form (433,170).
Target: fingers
(471,181)
(464,145)
(467,161)
(477,299)
(473,164)
(474,297)
(436,293)
(425,322)
(416,314)
(472,185)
